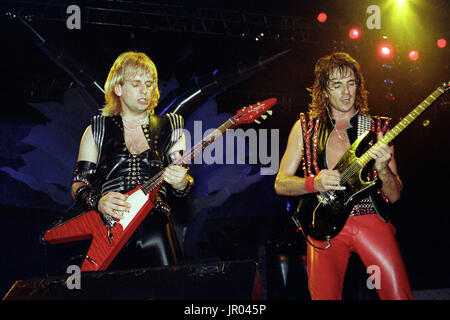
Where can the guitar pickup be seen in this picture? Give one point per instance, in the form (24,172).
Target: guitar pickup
(326,197)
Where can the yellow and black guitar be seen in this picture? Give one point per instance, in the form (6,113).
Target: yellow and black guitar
(323,215)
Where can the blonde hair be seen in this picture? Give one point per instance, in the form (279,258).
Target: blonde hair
(128,62)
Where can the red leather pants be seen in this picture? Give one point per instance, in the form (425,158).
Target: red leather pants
(375,243)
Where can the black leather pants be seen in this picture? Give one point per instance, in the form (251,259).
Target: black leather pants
(154,244)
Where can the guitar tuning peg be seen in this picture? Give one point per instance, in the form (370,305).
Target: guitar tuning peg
(264,116)
(269,112)
(258,122)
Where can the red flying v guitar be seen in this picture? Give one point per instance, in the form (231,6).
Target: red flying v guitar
(108,240)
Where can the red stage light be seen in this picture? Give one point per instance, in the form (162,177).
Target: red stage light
(385,50)
(354,33)
(441,43)
(322,17)
(413,55)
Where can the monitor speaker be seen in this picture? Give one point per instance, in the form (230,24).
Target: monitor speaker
(236,280)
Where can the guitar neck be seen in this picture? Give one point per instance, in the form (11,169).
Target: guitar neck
(206,142)
(190,155)
(406,121)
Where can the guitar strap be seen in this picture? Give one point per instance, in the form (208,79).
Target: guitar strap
(364,124)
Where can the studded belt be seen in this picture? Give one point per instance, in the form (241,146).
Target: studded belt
(363,207)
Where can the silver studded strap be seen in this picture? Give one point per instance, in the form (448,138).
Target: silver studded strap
(98,131)
(364,124)
(364,206)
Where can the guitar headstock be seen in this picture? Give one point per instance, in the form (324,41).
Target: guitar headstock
(251,113)
(446,86)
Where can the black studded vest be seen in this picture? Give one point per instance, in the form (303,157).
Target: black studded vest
(121,171)
(315,138)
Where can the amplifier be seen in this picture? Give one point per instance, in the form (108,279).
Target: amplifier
(223,280)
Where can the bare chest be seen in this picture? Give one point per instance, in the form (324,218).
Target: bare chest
(135,141)
(337,145)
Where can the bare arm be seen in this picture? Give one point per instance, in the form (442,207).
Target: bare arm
(287,183)
(88,152)
(386,167)
(110,202)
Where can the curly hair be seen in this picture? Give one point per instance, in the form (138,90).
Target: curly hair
(324,67)
(130,62)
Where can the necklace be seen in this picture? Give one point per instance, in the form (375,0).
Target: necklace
(135,121)
(138,123)
(339,135)
(131,129)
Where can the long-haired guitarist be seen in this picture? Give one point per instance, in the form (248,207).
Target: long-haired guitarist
(123,148)
(337,115)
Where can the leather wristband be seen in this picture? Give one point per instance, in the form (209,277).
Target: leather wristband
(186,191)
(309,184)
(87,198)
(84,172)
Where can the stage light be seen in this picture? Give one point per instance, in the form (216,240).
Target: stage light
(413,55)
(401,4)
(385,50)
(441,43)
(354,33)
(390,96)
(322,17)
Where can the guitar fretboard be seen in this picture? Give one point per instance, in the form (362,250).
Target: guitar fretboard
(395,131)
(187,158)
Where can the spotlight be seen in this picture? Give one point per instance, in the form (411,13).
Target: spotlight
(401,3)
(413,55)
(322,17)
(441,43)
(354,33)
(385,50)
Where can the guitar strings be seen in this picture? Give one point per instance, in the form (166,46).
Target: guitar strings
(157,178)
(350,171)
(346,174)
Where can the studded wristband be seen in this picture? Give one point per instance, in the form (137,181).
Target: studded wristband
(87,198)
